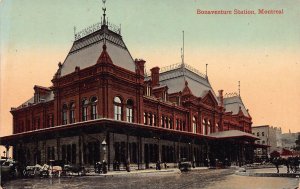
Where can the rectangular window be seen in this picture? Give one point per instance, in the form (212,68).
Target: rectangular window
(64,118)
(150,119)
(162,121)
(94,112)
(72,116)
(263,134)
(145,118)
(129,115)
(118,111)
(84,114)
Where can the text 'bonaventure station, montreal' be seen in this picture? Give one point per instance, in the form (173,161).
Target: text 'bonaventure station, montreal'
(103,106)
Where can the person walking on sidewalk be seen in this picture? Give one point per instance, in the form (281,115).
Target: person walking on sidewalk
(127,166)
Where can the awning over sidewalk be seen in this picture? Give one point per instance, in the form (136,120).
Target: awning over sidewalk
(102,125)
(233,134)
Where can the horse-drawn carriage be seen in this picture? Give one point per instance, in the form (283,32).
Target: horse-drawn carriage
(54,168)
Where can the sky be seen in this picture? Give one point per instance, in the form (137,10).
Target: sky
(260,51)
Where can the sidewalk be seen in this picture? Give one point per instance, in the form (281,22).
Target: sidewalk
(267,172)
(144,171)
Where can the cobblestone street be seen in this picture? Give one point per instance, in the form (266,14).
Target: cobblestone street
(207,179)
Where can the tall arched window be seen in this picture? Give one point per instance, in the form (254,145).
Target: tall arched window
(129,111)
(84,112)
(204,127)
(194,124)
(117,108)
(208,127)
(64,114)
(94,114)
(150,119)
(72,112)
(217,127)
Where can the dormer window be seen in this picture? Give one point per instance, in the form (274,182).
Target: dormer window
(164,96)
(148,90)
(194,124)
(208,127)
(204,127)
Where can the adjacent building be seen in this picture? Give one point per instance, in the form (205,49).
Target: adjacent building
(269,140)
(103,106)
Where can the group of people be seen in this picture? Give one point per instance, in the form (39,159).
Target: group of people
(101,167)
(291,163)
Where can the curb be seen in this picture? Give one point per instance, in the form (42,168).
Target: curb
(290,175)
(134,173)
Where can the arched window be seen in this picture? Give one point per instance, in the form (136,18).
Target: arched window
(150,119)
(64,114)
(84,112)
(94,114)
(145,118)
(162,121)
(72,112)
(194,124)
(217,127)
(208,127)
(129,111)
(154,120)
(118,108)
(204,127)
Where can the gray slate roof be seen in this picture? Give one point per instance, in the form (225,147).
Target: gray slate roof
(47,98)
(233,104)
(175,80)
(86,51)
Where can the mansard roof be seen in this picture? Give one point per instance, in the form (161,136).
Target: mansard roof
(86,51)
(46,98)
(234,104)
(177,76)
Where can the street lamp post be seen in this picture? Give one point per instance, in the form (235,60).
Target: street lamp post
(104,164)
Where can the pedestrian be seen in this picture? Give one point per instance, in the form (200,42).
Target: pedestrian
(276,163)
(165,164)
(115,165)
(104,167)
(158,165)
(127,166)
(287,164)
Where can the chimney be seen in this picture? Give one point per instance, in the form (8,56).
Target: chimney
(221,97)
(155,76)
(140,66)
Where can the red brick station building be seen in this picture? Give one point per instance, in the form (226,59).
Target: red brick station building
(102,105)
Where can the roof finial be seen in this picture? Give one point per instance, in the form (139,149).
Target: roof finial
(239,88)
(75,32)
(104,10)
(206,70)
(182,47)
